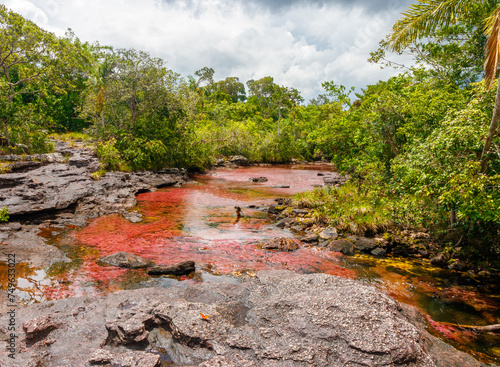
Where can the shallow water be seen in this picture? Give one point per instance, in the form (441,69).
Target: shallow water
(199,222)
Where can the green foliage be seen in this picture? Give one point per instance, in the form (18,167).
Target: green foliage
(351,208)
(4,214)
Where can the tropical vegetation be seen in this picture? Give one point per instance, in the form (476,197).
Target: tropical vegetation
(421,149)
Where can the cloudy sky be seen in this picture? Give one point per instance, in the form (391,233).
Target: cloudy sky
(300,43)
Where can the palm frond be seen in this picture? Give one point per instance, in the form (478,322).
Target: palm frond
(421,19)
(492,30)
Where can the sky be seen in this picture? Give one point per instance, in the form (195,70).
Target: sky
(300,43)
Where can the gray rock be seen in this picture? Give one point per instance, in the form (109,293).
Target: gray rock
(300,211)
(258,179)
(126,260)
(58,186)
(280,318)
(239,160)
(23,166)
(310,238)
(182,268)
(285,222)
(329,233)
(78,161)
(334,180)
(343,246)
(363,244)
(379,251)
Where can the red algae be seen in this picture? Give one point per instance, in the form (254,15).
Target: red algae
(199,222)
(195,222)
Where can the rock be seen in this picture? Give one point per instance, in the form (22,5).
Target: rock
(439,260)
(279,318)
(258,179)
(363,244)
(320,174)
(182,268)
(329,233)
(78,161)
(281,244)
(133,217)
(13,226)
(484,274)
(297,228)
(39,327)
(130,359)
(343,246)
(126,260)
(275,209)
(379,251)
(281,186)
(300,212)
(310,238)
(239,160)
(23,166)
(334,180)
(58,186)
(285,222)
(458,266)
(220,162)
(11,158)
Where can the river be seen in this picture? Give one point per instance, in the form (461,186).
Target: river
(198,221)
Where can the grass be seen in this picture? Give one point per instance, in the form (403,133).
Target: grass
(349,208)
(71,136)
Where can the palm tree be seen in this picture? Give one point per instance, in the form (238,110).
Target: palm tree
(421,19)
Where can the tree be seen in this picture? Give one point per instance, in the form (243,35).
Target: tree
(27,59)
(421,19)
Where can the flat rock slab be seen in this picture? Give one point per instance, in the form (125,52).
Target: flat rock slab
(280,318)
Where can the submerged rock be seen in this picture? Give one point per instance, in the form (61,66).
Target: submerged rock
(258,179)
(126,260)
(281,244)
(182,268)
(280,318)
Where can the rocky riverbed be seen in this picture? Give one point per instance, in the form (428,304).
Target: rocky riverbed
(325,321)
(277,318)
(61,192)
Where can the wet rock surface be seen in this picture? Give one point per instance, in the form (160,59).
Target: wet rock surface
(126,260)
(182,268)
(325,321)
(281,244)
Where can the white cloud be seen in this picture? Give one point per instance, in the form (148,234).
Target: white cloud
(300,45)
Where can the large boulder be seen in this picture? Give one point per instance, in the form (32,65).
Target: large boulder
(280,318)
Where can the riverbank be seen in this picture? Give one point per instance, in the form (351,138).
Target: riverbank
(362,223)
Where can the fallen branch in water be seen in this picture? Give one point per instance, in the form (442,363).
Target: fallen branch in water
(486,329)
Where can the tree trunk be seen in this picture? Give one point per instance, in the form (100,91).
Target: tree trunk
(492,132)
